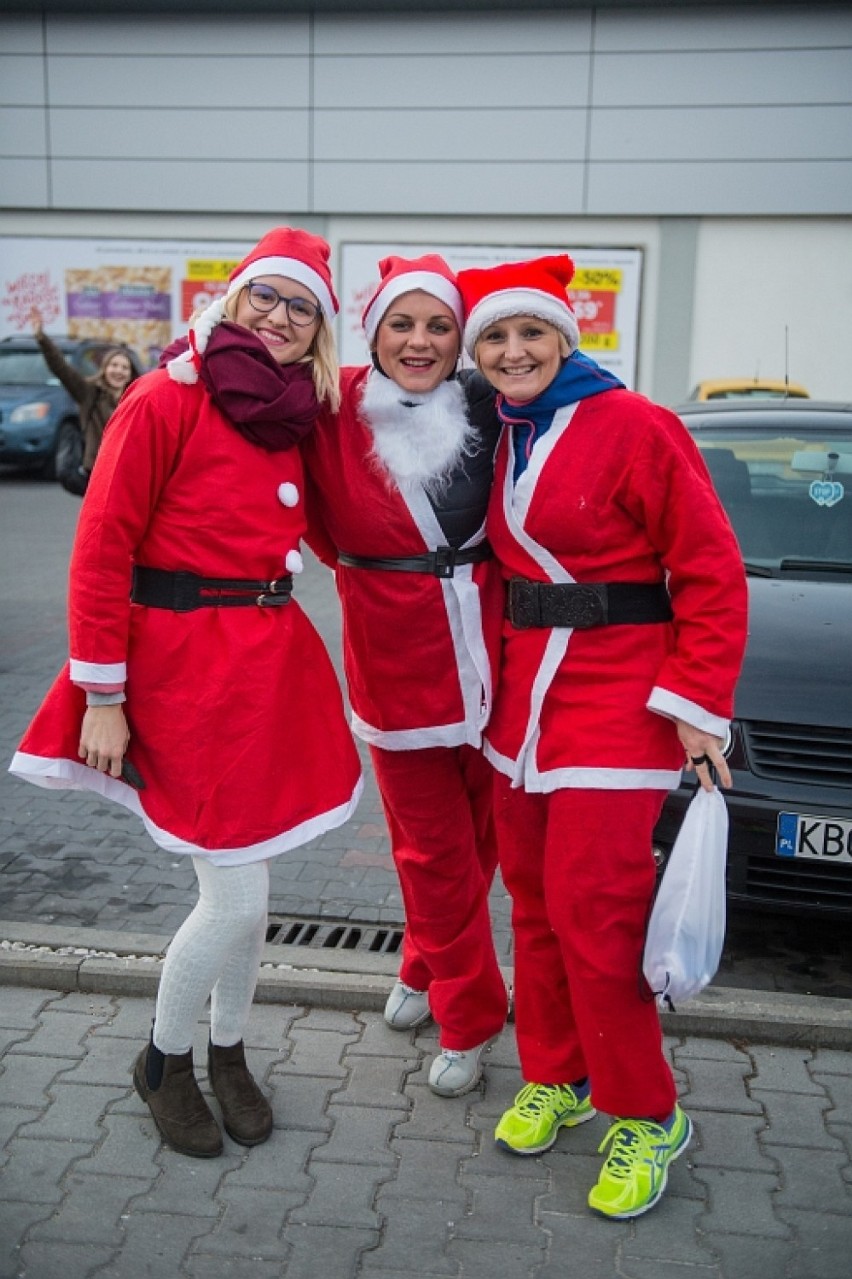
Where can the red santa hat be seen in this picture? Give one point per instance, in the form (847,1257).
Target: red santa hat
(429,273)
(538,287)
(298,255)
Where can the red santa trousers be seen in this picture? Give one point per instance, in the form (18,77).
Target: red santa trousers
(579,867)
(438,803)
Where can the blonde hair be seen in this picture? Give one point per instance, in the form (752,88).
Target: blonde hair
(322,356)
(325,366)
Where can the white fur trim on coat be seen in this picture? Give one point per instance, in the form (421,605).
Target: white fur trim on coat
(418,439)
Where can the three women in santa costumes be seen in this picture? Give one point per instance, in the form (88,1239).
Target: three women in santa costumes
(198,694)
(399,484)
(620,652)
(625,634)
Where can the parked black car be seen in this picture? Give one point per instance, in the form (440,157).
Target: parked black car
(34,406)
(783,470)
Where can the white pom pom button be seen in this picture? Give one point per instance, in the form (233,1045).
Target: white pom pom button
(288,494)
(294,562)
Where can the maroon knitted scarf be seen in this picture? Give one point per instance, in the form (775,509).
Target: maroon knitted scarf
(272,405)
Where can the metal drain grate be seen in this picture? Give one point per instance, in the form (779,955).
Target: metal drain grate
(333,934)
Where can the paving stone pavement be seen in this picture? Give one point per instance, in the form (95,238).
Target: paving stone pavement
(369,1174)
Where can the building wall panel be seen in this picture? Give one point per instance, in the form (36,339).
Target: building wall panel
(497,135)
(662,112)
(462,82)
(183,185)
(147,133)
(441,189)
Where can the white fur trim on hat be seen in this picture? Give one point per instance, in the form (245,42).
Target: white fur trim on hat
(437,286)
(292,269)
(506,303)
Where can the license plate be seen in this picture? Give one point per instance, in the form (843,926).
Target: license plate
(824,839)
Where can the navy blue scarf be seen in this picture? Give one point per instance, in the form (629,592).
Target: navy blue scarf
(578,379)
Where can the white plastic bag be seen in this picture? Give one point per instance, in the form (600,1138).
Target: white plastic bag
(686,930)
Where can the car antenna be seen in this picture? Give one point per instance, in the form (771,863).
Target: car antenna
(786,361)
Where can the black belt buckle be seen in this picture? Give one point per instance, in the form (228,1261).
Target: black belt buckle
(277,592)
(445,561)
(577,606)
(571,605)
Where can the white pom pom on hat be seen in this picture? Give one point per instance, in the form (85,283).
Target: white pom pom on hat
(538,287)
(429,273)
(288,251)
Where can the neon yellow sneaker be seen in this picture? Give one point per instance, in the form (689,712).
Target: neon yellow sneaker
(532,1124)
(635,1173)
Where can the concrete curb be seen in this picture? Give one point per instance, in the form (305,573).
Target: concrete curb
(101,962)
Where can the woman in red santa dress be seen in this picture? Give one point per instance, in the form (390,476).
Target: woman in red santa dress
(399,484)
(198,694)
(624,638)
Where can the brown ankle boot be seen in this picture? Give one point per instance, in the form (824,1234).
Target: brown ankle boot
(246,1113)
(180,1112)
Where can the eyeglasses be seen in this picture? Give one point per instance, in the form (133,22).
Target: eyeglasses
(263,298)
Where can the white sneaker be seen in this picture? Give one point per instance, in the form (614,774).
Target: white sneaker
(407,1007)
(454,1072)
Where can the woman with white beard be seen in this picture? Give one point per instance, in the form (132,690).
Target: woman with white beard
(399,481)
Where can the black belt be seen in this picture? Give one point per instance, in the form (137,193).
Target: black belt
(440,563)
(584,605)
(184,592)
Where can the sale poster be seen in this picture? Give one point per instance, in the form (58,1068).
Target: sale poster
(137,292)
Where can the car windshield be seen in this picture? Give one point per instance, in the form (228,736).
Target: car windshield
(24,368)
(788,496)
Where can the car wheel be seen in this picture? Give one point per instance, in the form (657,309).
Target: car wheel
(67,444)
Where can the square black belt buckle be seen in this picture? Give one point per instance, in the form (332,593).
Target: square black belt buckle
(576,606)
(445,561)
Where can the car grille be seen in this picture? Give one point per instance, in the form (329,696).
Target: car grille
(800,753)
(799,883)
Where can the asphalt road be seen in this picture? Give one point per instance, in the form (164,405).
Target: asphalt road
(59,862)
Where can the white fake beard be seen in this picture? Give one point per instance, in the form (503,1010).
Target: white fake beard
(417,439)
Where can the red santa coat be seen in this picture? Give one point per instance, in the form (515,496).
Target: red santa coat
(418,650)
(235,714)
(615,491)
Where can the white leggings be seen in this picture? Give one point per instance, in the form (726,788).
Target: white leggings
(216,952)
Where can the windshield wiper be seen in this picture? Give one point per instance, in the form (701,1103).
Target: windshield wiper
(758,570)
(818,566)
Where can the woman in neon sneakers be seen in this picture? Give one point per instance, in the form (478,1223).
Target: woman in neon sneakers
(625,633)
(402,477)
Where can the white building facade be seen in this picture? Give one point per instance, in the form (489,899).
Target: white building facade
(713,140)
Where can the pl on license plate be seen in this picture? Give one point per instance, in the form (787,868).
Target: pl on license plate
(823,838)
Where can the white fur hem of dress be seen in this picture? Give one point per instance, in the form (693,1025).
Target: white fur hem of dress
(65,774)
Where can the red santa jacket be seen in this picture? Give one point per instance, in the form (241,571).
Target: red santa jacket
(235,714)
(615,491)
(419,651)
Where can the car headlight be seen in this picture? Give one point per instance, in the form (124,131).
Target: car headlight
(36,412)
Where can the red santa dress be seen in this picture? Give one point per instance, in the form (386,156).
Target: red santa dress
(582,732)
(419,650)
(236,718)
